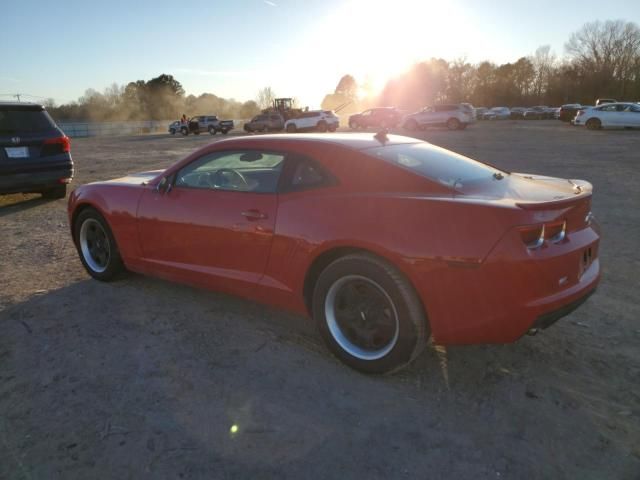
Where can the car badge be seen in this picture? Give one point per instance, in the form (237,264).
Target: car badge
(15,140)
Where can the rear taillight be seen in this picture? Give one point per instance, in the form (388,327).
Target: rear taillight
(55,146)
(534,236)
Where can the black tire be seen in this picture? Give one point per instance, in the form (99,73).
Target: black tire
(594,124)
(172,131)
(212,130)
(333,127)
(224,131)
(410,326)
(104,269)
(411,124)
(291,128)
(353,125)
(55,193)
(322,126)
(184,131)
(453,124)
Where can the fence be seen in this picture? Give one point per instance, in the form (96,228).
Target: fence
(98,129)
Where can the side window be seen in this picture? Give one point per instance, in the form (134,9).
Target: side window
(238,171)
(635,108)
(304,173)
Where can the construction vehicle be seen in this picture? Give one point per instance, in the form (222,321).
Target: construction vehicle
(284,106)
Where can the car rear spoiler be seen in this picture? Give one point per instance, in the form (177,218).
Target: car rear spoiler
(554,204)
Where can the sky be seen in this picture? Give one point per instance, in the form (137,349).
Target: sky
(233,48)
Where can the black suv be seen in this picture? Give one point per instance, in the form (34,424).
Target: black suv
(34,153)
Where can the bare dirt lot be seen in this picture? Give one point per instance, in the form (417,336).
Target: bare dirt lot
(147,379)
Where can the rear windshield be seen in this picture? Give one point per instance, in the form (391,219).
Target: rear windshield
(24,121)
(437,164)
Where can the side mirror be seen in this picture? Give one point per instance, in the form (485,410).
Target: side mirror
(164,186)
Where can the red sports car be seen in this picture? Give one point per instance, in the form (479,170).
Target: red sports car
(383,240)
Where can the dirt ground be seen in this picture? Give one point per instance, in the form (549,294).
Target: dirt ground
(146,379)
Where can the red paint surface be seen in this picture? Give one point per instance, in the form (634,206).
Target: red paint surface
(463,253)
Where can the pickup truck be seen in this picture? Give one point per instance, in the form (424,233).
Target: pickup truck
(207,123)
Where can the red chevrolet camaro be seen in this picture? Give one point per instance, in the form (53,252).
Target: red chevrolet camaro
(383,240)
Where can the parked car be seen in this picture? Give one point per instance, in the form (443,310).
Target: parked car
(498,113)
(556,112)
(480,111)
(319,120)
(608,115)
(326,225)
(381,117)
(207,123)
(453,116)
(517,113)
(569,111)
(174,127)
(536,113)
(35,155)
(602,101)
(265,122)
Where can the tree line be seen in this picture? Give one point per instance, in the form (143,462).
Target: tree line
(602,59)
(161,98)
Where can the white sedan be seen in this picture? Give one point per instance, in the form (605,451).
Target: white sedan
(610,115)
(319,120)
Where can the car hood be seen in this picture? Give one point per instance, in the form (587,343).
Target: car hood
(134,178)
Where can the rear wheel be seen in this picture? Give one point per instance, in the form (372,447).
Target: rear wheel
(453,124)
(594,124)
(97,246)
(212,130)
(369,314)
(322,127)
(224,131)
(353,125)
(56,192)
(184,131)
(291,128)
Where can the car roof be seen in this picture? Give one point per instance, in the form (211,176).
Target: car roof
(21,105)
(354,141)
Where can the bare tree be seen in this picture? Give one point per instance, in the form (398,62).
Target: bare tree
(543,62)
(607,50)
(265,97)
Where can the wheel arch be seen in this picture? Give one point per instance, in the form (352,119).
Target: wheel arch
(322,260)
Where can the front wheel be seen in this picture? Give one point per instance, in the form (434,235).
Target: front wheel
(184,131)
(594,124)
(369,314)
(453,124)
(172,131)
(411,125)
(212,130)
(321,127)
(224,131)
(96,246)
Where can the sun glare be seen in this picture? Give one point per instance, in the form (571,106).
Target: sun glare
(375,40)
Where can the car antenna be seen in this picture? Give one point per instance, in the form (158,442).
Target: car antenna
(381,136)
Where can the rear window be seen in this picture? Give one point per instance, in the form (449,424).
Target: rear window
(24,121)
(437,164)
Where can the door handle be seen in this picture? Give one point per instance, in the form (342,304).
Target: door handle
(254,215)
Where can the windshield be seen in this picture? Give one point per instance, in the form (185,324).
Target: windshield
(437,164)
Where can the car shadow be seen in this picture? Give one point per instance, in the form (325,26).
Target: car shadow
(15,203)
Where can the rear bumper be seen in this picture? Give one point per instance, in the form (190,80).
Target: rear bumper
(510,293)
(35,181)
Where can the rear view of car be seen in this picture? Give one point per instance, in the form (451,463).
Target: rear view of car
(34,153)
